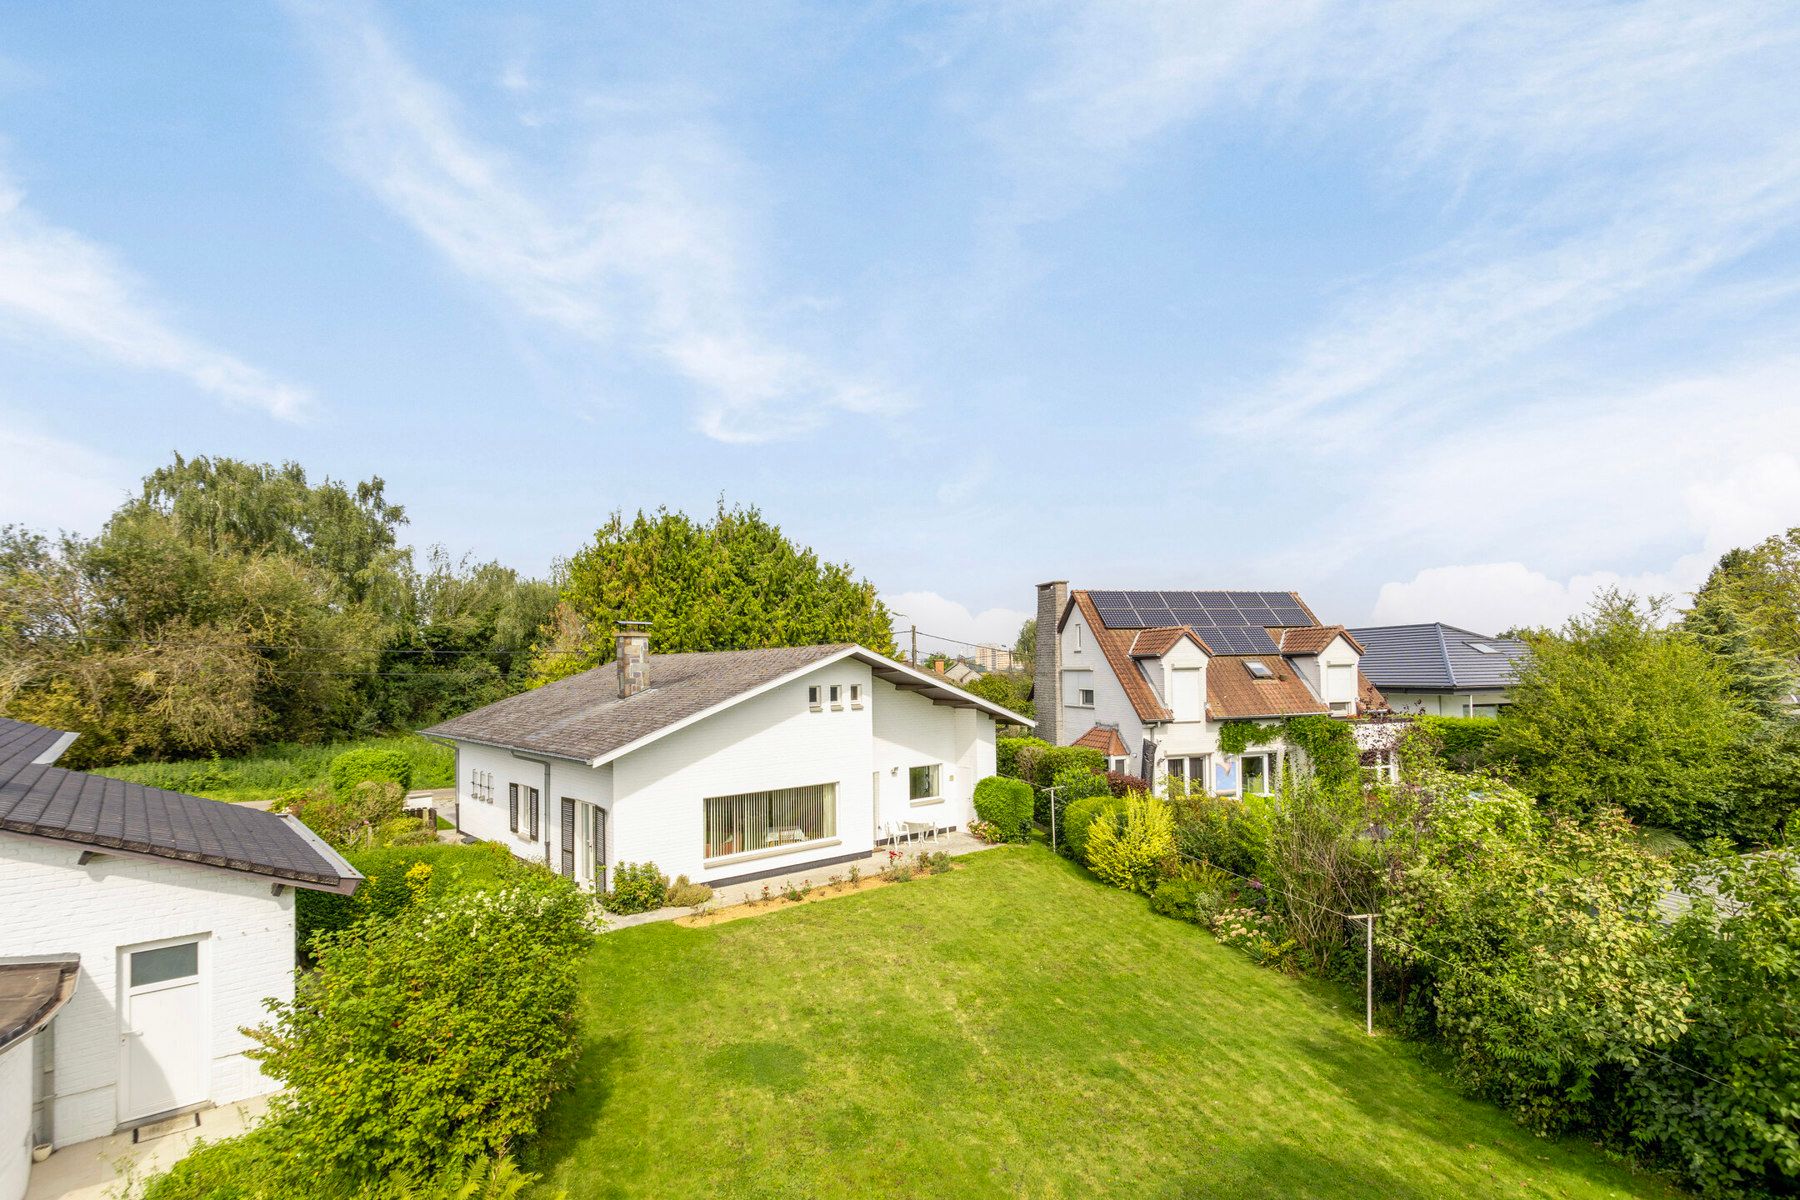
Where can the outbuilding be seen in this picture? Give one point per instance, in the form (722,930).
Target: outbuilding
(140,931)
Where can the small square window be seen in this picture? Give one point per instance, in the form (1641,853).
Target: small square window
(812,695)
(1086,697)
(924,782)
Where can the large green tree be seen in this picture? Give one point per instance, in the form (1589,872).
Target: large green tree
(1617,709)
(732,583)
(1762,586)
(231,604)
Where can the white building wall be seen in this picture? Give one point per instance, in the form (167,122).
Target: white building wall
(1111,705)
(1447,704)
(910,731)
(15,1118)
(246,955)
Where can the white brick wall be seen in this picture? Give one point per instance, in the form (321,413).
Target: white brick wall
(15,1119)
(51,905)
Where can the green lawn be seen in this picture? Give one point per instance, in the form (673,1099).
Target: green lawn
(280,768)
(1009,1029)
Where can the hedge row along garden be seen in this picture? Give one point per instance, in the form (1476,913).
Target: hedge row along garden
(1585,981)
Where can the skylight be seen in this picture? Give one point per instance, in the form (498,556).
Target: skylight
(1484,648)
(1258,669)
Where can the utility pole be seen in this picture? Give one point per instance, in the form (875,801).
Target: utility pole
(915,647)
(1368,920)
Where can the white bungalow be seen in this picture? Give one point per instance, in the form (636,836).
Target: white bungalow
(724,766)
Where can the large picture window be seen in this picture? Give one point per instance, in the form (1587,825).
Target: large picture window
(770,820)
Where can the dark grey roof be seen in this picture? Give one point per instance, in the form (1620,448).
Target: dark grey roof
(22,742)
(42,801)
(31,992)
(582,717)
(1436,658)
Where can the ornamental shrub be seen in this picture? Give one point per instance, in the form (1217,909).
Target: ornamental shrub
(365,764)
(1079,820)
(1463,743)
(1178,898)
(1005,803)
(356,819)
(637,888)
(1722,1105)
(1008,751)
(430,1039)
(1072,784)
(1123,783)
(1135,853)
(390,884)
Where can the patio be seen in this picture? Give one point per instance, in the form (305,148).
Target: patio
(954,843)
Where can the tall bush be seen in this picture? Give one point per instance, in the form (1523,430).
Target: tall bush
(1070,785)
(1081,817)
(1463,743)
(1724,1104)
(1134,853)
(1006,804)
(431,1039)
(1008,752)
(366,764)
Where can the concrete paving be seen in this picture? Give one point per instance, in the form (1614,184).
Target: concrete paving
(100,1169)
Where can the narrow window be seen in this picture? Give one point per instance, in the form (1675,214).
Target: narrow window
(856,695)
(1075,638)
(837,695)
(812,697)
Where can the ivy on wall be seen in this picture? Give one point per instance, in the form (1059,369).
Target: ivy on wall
(1327,742)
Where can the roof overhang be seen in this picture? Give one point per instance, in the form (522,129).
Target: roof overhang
(32,991)
(112,848)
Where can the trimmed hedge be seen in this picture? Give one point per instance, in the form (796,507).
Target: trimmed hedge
(1007,751)
(1072,784)
(1006,804)
(378,763)
(1080,819)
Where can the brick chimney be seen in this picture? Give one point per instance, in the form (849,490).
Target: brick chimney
(1053,597)
(632,643)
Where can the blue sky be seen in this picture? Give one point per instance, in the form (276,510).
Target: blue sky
(1429,312)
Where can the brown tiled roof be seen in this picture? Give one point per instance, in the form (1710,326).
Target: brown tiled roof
(1312,639)
(1115,644)
(1232,693)
(1154,643)
(1105,739)
(1368,696)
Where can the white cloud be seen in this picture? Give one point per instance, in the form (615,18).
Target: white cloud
(55,282)
(941,616)
(1758,498)
(50,483)
(646,249)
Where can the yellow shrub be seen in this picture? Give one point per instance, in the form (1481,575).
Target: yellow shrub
(1130,855)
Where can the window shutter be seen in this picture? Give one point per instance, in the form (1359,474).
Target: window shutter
(534,813)
(512,805)
(568,838)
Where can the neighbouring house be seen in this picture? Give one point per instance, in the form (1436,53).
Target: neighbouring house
(140,930)
(722,766)
(1147,678)
(1439,670)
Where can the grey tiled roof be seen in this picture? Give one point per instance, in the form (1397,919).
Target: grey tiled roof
(44,801)
(1436,657)
(22,742)
(582,717)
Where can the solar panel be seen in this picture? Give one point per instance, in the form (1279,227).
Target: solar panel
(1262,642)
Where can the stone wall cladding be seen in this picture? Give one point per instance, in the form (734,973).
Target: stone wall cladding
(1053,597)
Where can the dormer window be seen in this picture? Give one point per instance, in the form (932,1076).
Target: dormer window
(1258,669)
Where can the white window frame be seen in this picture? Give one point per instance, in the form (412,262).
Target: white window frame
(1186,774)
(828,810)
(856,699)
(836,694)
(528,821)
(1271,772)
(1075,637)
(937,784)
(815,696)
(1084,697)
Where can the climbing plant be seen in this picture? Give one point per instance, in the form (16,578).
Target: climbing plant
(1235,737)
(1327,742)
